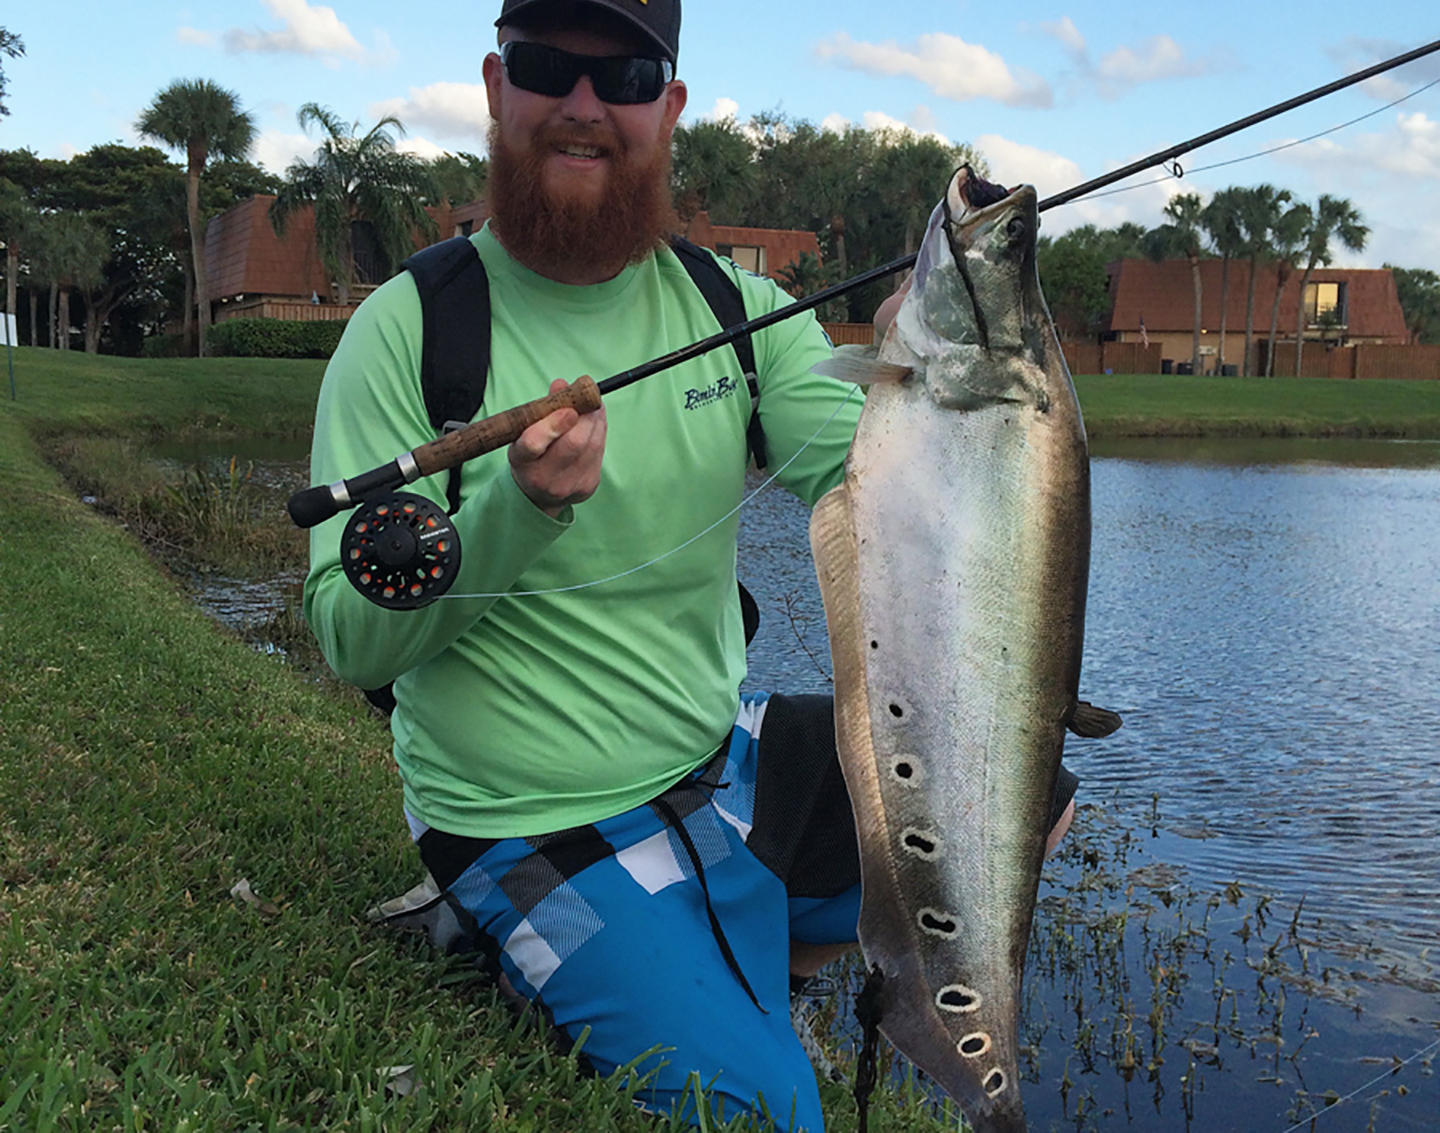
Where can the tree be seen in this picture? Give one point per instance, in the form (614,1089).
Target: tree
(205,121)
(460,177)
(1073,276)
(1221,219)
(1185,236)
(69,252)
(357,178)
(13,46)
(713,169)
(1259,213)
(1332,219)
(1286,240)
(1419,293)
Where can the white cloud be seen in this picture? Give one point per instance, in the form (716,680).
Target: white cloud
(1066,32)
(447,109)
(1410,150)
(422,148)
(1153,60)
(1014,163)
(945,63)
(919,125)
(1355,53)
(275,151)
(305,30)
(724,108)
(196,36)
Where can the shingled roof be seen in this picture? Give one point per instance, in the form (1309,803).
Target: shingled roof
(1162,294)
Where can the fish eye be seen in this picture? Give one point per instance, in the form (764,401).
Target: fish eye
(1016,228)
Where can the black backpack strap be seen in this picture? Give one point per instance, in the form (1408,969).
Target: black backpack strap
(455,346)
(722,294)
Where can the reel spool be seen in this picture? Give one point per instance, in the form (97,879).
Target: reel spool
(400,551)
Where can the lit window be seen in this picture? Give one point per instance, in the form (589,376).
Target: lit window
(1323,298)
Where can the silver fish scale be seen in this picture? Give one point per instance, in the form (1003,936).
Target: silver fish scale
(953,564)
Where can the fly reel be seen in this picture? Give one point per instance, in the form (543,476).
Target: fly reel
(400,551)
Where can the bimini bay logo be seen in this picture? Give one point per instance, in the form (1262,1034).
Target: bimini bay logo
(715,391)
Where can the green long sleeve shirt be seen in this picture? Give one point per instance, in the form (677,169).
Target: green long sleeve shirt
(562,703)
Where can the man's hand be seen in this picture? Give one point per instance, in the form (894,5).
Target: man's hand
(556,461)
(885,313)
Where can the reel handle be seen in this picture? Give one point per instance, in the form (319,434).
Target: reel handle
(314,505)
(490,433)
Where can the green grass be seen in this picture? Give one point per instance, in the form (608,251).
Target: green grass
(148,762)
(1138,405)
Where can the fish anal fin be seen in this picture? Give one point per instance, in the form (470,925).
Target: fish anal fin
(861,365)
(1091,722)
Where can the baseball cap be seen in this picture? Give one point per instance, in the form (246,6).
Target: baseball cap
(658,19)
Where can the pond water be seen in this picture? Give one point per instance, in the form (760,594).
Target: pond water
(1266,617)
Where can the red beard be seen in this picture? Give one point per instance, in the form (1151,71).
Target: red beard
(628,221)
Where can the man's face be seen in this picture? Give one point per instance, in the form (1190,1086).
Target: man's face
(577,140)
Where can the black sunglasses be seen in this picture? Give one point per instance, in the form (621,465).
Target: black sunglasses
(619,79)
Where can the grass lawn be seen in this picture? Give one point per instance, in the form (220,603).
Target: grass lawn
(148,762)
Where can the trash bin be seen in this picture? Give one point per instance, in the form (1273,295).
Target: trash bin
(1230,371)
(1167,365)
(1184,368)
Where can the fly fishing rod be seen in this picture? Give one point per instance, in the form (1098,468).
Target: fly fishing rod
(401,550)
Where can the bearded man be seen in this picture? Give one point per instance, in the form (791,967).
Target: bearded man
(584,782)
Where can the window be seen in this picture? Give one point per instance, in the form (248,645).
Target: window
(1325,302)
(751,257)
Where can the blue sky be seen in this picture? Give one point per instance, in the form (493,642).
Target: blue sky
(1053,94)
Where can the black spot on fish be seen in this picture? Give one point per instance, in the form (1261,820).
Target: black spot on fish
(921,843)
(959,998)
(973,1046)
(874,645)
(896,711)
(944,926)
(904,770)
(995,1082)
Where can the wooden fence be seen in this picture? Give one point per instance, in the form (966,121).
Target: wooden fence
(1364,360)
(1111,357)
(280,309)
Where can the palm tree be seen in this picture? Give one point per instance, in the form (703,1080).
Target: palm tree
(713,169)
(66,251)
(1334,218)
(1287,239)
(1221,219)
(1259,213)
(205,121)
(357,177)
(1184,234)
(16,213)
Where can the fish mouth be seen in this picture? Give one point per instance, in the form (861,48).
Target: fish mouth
(971,200)
(973,206)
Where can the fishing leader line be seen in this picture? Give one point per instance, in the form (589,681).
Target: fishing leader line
(693,539)
(1360,1090)
(1262,153)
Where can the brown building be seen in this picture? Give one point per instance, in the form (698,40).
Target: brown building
(254,273)
(1343,306)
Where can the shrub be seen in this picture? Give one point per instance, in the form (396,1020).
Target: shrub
(275,338)
(163,346)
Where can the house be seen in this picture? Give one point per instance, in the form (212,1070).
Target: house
(1155,302)
(254,273)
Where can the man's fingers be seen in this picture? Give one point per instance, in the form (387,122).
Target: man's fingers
(535,441)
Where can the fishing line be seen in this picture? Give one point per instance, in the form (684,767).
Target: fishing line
(1181,173)
(693,539)
(1373,1081)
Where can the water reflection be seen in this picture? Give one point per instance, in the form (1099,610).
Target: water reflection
(1271,631)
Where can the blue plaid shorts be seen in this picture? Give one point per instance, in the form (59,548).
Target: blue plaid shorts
(666,930)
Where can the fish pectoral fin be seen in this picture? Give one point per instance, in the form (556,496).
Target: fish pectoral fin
(861,365)
(1091,722)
